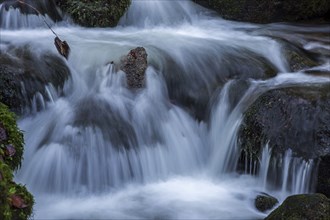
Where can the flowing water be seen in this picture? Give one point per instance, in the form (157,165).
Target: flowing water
(103,151)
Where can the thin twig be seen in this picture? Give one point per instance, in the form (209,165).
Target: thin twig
(39,13)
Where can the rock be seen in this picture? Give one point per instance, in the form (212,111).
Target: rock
(270,11)
(101,13)
(192,85)
(323,177)
(24,73)
(296,118)
(96,113)
(135,65)
(302,207)
(265,202)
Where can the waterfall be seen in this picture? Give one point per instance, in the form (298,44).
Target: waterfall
(286,173)
(149,13)
(12,17)
(100,150)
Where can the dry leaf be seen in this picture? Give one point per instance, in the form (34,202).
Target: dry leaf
(62,47)
(18,202)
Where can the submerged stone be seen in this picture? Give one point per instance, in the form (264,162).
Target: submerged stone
(265,202)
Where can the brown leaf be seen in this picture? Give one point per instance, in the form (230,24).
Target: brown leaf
(10,150)
(18,202)
(62,47)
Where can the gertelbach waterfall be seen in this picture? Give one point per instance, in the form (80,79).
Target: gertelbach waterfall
(99,150)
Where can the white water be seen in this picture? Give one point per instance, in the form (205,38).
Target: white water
(103,151)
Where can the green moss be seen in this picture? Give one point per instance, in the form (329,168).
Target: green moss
(8,163)
(15,138)
(99,13)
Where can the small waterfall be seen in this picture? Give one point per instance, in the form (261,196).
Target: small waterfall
(264,166)
(78,151)
(15,15)
(150,13)
(284,172)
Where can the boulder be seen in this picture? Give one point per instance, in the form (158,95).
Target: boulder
(15,201)
(270,10)
(296,118)
(264,202)
(24,73)
(100,13)
(302,207)
(135,65)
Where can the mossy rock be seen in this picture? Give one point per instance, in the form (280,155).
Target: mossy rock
(15,201)
(99,13)
(297,118)
(302,207)
(14,138)
(266,11)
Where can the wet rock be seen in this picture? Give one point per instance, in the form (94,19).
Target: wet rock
(298,58)
(265,202)
(305,206)
(297,118)
(323,177)
(102,13)
(269,10)
(24,73)
(192,85)
(135,65)
(97,113)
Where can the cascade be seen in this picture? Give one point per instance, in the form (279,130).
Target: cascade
(127,154)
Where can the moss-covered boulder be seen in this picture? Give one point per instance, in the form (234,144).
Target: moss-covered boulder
(25,73)
(297,118)
(15,201)
(265,11)
(98,13)
(264,202)
(302,207)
